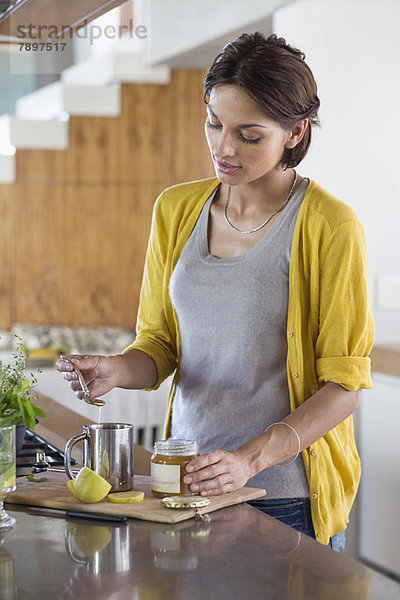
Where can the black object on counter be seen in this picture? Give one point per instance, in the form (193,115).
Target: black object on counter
(33,443)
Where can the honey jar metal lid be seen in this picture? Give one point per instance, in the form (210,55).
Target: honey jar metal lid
(176,447)
(185,501)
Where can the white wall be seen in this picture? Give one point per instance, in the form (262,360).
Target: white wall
(353,48)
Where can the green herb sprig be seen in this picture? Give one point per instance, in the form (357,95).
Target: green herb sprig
(15,391)
(32,479)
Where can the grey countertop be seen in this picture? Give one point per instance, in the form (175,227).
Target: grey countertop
(240,554)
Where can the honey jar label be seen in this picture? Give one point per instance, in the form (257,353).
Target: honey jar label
(166,478)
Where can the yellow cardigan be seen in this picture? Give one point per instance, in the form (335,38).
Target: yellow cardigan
(329,327)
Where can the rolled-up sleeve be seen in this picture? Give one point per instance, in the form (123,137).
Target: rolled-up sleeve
(346,328)
(153,332)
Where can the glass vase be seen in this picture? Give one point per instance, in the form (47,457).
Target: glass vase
(8,573)
(7,472)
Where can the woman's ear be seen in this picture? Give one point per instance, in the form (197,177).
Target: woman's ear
(296,134)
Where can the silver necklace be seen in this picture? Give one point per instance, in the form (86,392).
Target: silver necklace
(269,218)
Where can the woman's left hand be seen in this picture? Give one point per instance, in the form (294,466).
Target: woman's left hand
(216,473)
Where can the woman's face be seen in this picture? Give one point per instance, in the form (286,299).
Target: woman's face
(245,144)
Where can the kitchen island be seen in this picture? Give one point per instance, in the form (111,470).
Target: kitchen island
(239,553)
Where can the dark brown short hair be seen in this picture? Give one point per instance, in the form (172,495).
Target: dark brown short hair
(277,77)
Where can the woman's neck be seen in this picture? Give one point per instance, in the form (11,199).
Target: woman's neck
(261,196)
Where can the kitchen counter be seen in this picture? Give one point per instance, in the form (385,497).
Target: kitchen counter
(241,553)
(385,358)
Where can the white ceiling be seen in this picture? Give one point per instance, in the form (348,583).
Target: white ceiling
(202,56)
(190,34)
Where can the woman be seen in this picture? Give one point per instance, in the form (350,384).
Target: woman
(255,294)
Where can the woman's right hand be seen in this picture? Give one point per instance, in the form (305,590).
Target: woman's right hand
(97,371)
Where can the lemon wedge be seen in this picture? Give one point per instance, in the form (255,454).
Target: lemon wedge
(130,497)
(89,486)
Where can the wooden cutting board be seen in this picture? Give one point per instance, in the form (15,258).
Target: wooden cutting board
(54,493)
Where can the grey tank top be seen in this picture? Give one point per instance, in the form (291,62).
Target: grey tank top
(232,315)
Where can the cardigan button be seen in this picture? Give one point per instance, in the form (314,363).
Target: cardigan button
(313,452)
(319,535)
(295,375)
(290,333)
(314,496)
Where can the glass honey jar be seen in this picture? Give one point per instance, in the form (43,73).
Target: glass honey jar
(168,467)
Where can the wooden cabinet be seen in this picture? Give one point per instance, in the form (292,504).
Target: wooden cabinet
(74,227)
(42,20)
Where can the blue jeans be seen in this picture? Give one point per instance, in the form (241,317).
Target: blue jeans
(296,512)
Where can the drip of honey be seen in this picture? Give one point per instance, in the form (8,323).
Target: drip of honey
(98,415)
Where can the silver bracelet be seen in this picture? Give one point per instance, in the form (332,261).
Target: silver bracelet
(284,464)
